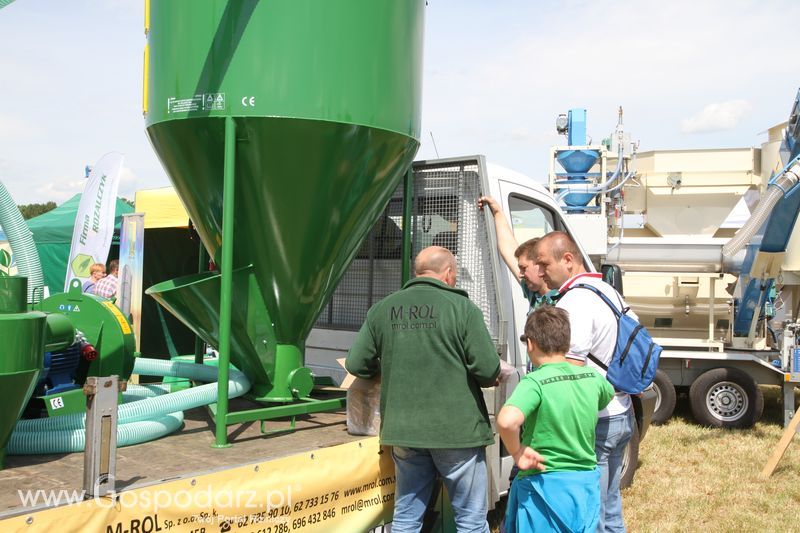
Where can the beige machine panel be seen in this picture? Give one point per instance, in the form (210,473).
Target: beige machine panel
(678,305)
(690,192)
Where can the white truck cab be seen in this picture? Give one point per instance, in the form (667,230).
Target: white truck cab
(437,205)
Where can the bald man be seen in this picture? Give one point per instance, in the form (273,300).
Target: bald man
(594,334)
(429,344)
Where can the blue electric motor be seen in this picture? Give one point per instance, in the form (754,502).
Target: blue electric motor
(59,371)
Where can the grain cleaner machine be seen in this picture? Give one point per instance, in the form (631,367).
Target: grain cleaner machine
(723,303)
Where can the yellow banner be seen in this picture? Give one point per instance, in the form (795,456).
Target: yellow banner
(342,488)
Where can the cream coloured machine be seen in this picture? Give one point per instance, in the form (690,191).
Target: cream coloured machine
(664,217)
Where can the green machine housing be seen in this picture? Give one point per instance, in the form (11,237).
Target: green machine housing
(22,334)
(105,328)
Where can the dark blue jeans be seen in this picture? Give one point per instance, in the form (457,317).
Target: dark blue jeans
(464,474)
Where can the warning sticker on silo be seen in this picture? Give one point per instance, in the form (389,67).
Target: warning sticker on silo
(184,105)
(214,101)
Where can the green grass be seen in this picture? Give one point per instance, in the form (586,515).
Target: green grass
(692,478)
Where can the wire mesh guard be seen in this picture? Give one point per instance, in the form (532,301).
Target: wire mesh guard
(374,273)
(445,214)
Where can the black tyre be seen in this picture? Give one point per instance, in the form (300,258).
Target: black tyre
(665,398)
(726,398)
(630,459)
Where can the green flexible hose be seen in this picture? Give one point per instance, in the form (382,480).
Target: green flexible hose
(20,239)
(138,421)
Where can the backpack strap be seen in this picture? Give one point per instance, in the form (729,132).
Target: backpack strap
(597,361)
(603,297)
(613,308)
(602,365)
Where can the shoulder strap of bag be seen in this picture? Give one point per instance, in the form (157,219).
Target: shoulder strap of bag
(597,361)
(613,308)
(602,297)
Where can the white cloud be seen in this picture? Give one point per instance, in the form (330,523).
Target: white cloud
(496,75)
(126,176)
(495,71)
(118,8)
(128,181)
(18,129)
(61,190)
(520,134)
(718,116)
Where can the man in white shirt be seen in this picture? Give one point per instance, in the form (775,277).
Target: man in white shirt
(594,330)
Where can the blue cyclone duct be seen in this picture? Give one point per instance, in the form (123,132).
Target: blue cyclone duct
(577,163)
(576,132)
(774,235)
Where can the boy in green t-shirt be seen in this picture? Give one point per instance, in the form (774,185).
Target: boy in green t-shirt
(557,488)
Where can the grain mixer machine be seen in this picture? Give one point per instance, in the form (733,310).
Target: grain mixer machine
(284,126)
(55,346)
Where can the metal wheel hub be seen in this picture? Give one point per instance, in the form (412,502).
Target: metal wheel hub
(727,401)
(657,390)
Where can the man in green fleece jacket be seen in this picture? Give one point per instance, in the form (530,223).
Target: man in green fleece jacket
(429,344)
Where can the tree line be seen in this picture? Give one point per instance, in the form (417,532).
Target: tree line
(34,210)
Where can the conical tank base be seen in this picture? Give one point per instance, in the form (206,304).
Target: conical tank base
(307,194)
(22,358)
(290,375)
(17,389)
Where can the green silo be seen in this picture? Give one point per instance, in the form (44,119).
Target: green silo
(322,101)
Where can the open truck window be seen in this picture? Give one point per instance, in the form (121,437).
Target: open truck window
(529,219)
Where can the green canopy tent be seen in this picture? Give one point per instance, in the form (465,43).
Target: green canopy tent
(52,233)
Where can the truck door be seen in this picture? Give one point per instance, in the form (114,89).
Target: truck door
(531,216)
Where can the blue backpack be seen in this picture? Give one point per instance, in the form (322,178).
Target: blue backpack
(635,360)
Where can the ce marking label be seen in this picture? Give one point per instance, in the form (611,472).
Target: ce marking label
(249,101)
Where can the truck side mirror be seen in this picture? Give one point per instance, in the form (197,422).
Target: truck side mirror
(612,274)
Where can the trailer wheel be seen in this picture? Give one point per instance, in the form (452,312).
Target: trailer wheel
(726,398)
(630,459)
(665,398)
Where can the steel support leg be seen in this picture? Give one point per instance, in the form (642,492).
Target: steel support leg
(228,193)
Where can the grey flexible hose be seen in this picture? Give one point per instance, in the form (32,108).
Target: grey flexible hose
(780,185)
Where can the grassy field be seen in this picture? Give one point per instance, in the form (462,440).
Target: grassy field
(692,478)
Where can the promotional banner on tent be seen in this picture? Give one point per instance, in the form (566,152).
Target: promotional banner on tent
(94,223)
(131,259)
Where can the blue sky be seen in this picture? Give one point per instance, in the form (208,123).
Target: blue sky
(689,74)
